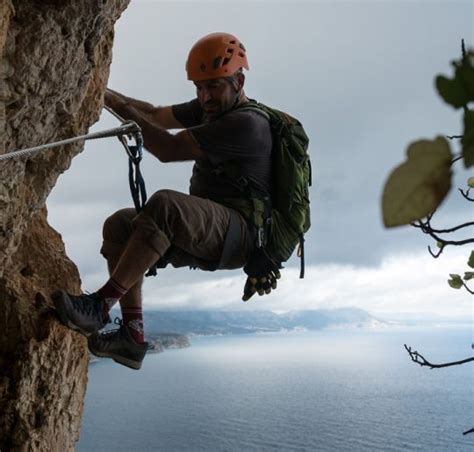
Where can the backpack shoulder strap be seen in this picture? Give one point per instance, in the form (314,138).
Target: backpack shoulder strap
(256,107)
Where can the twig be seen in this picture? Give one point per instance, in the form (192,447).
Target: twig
(435,255)
(450,242)
(426,228)
(468,431)
(426,225)
(465,194)
(422,361)
(467,288)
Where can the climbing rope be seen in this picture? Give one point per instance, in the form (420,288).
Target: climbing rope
(128,129)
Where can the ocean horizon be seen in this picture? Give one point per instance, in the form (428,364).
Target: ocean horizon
(297,391)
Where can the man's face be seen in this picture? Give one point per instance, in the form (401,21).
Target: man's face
(216,96)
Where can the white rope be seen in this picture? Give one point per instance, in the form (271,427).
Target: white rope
(124,129)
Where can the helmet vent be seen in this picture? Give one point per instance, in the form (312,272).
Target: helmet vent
(217,62)
(241,55)
(242,47)
(225,62)
(232,42)
(229,50)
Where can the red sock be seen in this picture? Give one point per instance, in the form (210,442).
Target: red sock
(111,292)
(133,320)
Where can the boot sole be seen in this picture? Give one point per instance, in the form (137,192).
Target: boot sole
(58,300)
(136,365)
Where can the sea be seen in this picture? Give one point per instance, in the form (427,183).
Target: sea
(330,390)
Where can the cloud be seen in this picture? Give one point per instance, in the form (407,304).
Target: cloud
(409,285)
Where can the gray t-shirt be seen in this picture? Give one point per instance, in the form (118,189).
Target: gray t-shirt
(241,137)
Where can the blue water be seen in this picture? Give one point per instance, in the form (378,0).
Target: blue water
(329,390)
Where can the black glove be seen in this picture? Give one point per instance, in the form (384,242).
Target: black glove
(262,275)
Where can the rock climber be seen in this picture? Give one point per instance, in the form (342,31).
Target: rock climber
(198,229)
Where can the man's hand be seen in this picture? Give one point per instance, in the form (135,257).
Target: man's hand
(261,285)
(262,273)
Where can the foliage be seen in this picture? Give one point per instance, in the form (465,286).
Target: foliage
(456,281)
(416,188)
(459,92)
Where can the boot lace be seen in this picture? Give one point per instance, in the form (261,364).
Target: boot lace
(86,304)
(111,334)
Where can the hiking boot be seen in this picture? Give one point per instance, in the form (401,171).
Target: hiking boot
(119,345)
(82,313)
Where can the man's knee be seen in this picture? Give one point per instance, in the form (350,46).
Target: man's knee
(162,201)
(152,223)
(116,231)
(165,207)
(118,226)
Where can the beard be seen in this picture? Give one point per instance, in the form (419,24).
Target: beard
(214,109)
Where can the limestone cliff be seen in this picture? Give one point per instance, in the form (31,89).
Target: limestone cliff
(54,63)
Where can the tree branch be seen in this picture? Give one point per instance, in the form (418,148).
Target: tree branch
(422,361)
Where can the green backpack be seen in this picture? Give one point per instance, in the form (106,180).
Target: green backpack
(281,226)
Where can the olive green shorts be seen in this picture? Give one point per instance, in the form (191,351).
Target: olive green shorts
(186,230)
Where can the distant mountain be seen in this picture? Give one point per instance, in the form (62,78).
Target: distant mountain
(169,329)
(158,342)
(242,322)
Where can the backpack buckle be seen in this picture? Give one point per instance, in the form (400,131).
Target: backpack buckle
(263,232)
(260,237)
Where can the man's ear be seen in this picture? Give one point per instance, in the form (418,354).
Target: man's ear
(240,80)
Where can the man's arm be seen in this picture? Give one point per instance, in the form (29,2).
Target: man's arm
(154,121)
(170,148)
(135,109)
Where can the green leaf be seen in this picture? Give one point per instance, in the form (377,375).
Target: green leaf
(467,140)
(417,187)
(470,182)
(459,90)
(455,282)
(470,262)
(439,244)
(468,276)
(451,91)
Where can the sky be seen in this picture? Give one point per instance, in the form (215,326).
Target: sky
(359,76)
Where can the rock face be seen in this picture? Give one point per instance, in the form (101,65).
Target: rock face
(54,65)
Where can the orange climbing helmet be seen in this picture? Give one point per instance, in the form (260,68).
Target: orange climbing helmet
(215,55)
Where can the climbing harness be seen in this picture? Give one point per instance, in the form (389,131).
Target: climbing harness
(128,131)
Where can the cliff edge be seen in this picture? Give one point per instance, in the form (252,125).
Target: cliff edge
(54,66)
